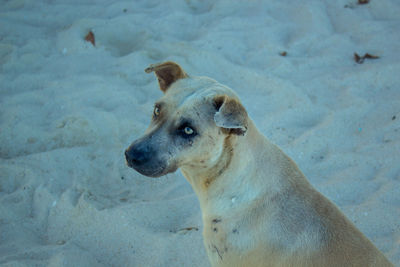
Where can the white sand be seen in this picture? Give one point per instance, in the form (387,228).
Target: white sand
(68,110)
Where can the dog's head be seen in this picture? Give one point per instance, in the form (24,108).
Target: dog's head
(189,124)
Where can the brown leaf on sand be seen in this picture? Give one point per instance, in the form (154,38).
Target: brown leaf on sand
(90,38)
(357,58)
(370,56)
(360,59)
(363,2)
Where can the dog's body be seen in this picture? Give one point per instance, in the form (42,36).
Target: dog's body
(258,208)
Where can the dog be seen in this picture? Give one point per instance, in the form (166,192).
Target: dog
(258,208)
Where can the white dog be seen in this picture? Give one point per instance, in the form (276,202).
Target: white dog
(258,208)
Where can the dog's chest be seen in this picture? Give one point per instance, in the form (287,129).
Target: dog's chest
(222,239)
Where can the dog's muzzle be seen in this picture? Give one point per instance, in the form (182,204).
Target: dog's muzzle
(136,158)
(145,160)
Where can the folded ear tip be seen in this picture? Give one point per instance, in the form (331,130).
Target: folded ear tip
(162,65)
(230,115)
(167,73)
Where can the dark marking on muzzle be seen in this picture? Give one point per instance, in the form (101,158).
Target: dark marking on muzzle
(142,157)
(136,156)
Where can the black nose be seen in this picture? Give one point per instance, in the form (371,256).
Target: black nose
(137,156)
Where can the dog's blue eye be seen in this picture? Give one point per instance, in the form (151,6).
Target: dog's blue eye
(188,131)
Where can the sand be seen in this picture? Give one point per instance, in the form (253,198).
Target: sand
(68,109)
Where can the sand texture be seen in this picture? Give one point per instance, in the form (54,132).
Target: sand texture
(69,107)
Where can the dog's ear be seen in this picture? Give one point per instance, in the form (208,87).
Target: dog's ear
(230,115)
(167,73)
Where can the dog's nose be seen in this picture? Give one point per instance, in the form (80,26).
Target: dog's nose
(136,156)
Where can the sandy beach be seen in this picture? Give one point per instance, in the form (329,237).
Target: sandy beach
(69,107)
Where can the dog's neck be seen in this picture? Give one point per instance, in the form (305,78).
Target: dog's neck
(227,181)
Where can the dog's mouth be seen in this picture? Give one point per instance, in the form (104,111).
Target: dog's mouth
(149,171)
